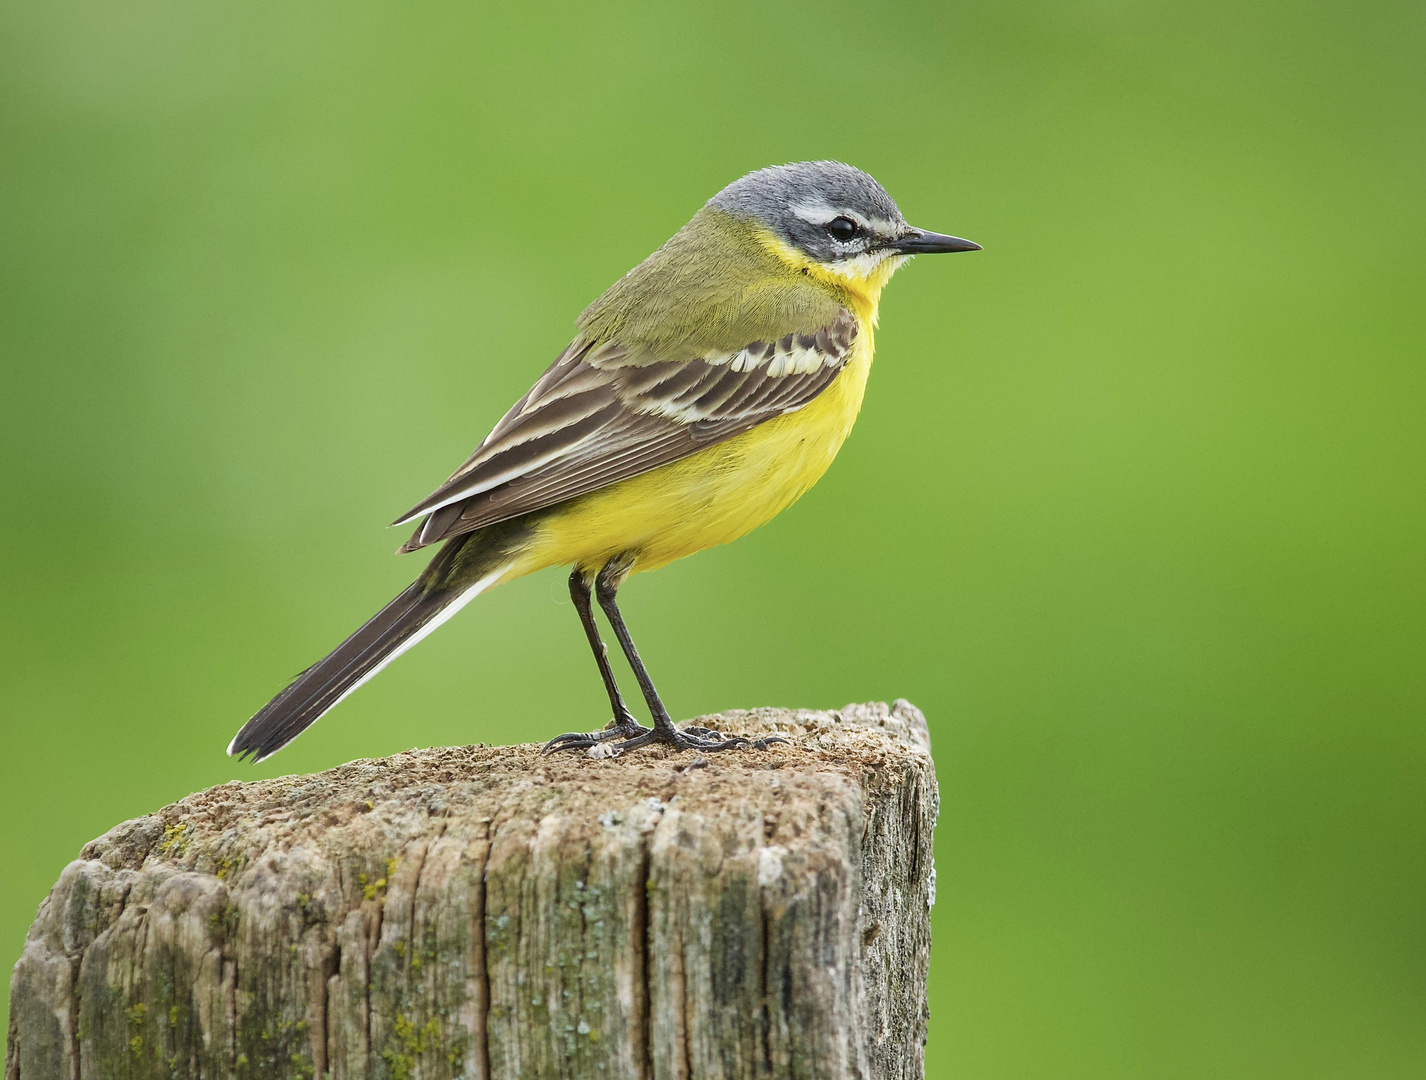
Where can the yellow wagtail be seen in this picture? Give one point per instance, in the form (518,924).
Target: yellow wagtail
(704,393)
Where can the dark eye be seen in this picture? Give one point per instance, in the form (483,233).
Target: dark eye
(842,228)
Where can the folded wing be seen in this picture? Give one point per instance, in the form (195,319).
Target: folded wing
(605,413)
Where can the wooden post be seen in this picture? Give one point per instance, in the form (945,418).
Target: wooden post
(488,912)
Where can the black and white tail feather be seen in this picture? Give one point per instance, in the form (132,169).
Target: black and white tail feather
(447,585)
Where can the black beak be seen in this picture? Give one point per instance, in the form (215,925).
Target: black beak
(921,242)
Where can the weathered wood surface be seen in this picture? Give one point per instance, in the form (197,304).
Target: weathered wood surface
(488,912)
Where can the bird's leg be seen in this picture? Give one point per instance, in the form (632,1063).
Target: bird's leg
(624,725)
(606,585)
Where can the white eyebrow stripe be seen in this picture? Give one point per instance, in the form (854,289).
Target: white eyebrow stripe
(821,213)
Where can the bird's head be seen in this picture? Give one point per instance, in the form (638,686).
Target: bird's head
(833,221)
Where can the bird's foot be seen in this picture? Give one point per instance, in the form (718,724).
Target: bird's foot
(632,735)
(621,727)
(692,737)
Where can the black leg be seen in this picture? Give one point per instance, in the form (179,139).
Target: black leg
(606,585)
(624,725)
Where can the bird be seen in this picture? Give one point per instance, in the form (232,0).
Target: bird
(704,392)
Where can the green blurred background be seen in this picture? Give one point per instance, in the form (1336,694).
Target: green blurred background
(1134,511)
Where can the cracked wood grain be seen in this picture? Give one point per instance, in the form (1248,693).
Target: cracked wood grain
(489,913)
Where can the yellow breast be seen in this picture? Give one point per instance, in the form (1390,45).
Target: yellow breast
(713,496)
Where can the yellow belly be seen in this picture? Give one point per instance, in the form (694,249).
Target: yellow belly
(710,497)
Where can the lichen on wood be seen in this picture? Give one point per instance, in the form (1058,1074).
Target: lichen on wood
(486,912)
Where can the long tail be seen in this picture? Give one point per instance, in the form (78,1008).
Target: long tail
(465,567)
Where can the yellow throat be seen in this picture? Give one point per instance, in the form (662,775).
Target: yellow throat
(858,286)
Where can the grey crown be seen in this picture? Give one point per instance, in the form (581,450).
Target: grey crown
(770,196)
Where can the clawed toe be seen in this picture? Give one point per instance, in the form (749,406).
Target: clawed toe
(570,740)
(581,740)
(633,737)
(697,737)
(768,740)
(733,742)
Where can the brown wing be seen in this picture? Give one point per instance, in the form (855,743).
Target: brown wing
(603,414)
